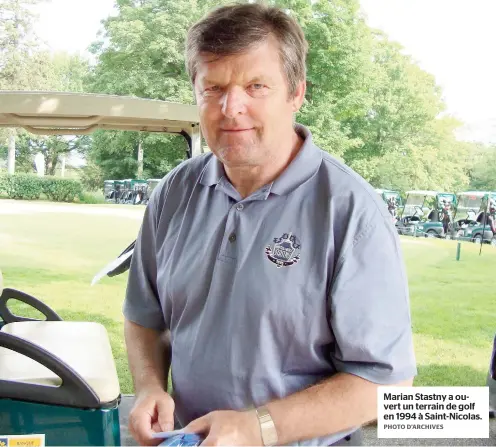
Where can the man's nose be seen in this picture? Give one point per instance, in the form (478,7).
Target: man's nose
(233,103)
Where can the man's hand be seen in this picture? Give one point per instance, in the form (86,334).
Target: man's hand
(152,412)
(228,428)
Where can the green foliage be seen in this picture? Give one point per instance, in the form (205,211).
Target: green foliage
(21,186)
(92,198)
(116,153)
(32,187)
(483,172)
(92,176)
(61,190)
(52,147)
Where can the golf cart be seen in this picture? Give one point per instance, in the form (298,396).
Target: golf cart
(57,378)
(109,190)
(139,188)
(479,208)
(151,185)
(393,201)
(426,213)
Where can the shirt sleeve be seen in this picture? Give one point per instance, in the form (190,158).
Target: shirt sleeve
(142,302)
(369,308)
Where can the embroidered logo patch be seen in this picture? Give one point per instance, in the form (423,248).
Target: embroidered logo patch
(284,251)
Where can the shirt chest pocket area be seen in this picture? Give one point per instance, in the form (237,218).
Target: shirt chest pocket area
(287,305)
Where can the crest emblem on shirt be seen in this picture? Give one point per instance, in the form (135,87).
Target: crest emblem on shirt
(284,250)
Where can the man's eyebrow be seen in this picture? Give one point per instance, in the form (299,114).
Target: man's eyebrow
(259,80)
(209,81)
(253,80)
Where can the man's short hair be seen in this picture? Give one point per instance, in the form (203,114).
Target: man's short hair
(234,29)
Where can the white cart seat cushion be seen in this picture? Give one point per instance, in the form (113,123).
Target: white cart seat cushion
(84,346)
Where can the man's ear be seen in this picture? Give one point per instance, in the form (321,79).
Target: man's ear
(299,96)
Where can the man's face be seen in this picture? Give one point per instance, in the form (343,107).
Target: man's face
(246,112)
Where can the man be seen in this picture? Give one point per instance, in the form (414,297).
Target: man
(259,271)
(446,215)
(491,218)
(392,205)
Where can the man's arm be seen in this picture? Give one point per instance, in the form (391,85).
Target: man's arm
(148,351)
(339,403)
(149,354)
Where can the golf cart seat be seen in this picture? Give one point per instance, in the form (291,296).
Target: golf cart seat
(57,378)
(433,216)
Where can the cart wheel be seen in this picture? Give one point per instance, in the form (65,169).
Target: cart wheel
(477,239)
(430,233)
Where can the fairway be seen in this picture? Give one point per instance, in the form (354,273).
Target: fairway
(54,255)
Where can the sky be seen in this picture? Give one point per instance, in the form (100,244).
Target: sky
(452,39)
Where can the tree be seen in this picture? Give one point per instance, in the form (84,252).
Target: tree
(141,53)
(483,172)
(24,65)
(16,43)
(367,103)
(52,147)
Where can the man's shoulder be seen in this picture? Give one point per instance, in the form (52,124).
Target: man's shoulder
(186,173)
(347,186)
(180,181)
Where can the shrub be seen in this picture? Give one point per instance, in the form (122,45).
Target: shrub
(21,186)
(31,187)
(61,190)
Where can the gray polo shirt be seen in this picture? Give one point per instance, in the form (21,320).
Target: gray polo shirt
(268,295)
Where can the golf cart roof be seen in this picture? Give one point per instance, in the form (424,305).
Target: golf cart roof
(422,193)
(50,113)
(380,191)
(473,193)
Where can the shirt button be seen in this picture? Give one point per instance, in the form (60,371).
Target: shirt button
(239,206)
(232,237)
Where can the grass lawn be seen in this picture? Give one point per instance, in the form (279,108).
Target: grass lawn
(54,257)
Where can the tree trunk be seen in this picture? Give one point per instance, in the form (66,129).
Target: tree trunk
(140,160)
(62,167)
(11,156)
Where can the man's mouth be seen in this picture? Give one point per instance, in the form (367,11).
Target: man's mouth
(236,129)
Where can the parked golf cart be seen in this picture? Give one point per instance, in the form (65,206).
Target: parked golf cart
(151,185)
(109,190)
(139,188)
(422,213)
(393,201)
(476,208)
(57,378)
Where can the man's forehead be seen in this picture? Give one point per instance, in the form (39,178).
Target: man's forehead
(266,50)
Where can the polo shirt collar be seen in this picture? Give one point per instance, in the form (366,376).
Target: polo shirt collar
(301,168)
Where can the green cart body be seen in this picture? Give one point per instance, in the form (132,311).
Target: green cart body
(472,214)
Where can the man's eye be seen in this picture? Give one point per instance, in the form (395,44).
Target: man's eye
(212,89)
(257,86)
